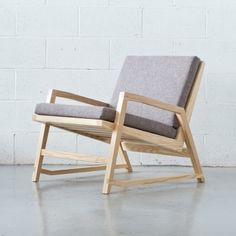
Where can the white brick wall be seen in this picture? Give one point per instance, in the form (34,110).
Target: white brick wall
(122,47)
(110,21)
(7,21)
(174,23)
(7,84)
(22,52)
(78,53)
(80,45)
(47,21)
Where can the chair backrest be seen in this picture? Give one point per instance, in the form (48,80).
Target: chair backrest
(166,78)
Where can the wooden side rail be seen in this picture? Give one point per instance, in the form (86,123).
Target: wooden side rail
(79,169)
(127,96)
(130,182)
(159,149)
(54,93)
(73,156)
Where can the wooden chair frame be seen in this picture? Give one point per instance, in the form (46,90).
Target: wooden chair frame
(121,138)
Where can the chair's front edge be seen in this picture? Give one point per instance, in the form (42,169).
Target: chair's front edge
(69,124)
(101,161)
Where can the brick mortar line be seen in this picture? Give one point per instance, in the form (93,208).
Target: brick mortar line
(78,21)
(142,26)
(14,148)
(46,52)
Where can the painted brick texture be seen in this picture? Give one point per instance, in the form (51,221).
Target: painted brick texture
(80,45)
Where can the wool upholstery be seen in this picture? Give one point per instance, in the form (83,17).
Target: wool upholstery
(165,78)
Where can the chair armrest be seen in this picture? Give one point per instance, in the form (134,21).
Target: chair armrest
(53,94)
(151,102)
(125,97)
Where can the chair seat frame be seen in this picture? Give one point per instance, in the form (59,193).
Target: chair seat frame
(120,138)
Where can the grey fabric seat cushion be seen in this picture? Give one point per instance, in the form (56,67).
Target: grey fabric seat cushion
(166,78)
(104,113)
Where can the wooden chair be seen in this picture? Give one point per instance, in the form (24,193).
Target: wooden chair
(149,112)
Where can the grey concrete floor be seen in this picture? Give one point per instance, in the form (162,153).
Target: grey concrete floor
(73,204)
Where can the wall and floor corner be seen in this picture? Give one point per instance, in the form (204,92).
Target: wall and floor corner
(79,46)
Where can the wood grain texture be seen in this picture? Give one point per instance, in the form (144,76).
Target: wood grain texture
(73,156)
(78,170)
(131,182)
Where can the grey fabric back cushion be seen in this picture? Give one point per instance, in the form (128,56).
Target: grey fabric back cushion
(166,78)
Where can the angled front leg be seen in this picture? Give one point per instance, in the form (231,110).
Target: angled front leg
(43,136)
(115,143)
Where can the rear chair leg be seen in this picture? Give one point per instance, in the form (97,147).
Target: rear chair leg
(194,158)
(196,164)
(43,136)
(125,158)
(191,146)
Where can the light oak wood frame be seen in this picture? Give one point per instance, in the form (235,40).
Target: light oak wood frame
(121,138)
